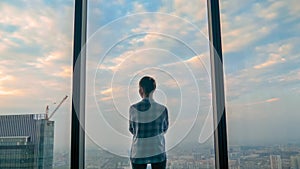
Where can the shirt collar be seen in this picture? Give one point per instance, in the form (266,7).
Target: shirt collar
(148,99)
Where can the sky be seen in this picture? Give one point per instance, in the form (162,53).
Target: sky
(165,39)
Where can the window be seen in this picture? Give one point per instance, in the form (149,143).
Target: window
(260,42)
(35,71)
(164,39)
(129,39)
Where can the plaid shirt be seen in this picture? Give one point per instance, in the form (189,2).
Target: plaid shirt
(148,124)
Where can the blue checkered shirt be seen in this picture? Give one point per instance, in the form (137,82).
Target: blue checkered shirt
(148,122)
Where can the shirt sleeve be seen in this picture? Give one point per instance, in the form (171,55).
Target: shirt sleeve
(130,121)
(166,121)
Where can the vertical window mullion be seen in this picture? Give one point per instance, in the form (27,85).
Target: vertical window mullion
(217,78)
(78,90)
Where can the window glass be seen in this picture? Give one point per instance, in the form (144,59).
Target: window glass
(167,40)
(261,53)
(35,76)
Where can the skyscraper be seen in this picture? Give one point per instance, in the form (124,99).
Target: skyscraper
(26,141)
(275,161)
(295,162)
(16,152)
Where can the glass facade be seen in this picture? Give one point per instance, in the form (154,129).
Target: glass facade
(16,152)
(28,136)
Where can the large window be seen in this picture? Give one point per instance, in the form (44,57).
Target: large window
(164,39)
(167,40)
(260,40)
(35,71)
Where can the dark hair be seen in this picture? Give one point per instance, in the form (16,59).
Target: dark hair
(148,84)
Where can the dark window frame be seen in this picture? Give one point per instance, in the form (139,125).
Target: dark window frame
(217,80)
(78,84)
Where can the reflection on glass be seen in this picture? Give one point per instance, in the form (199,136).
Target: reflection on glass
(35,74)
(261,53)
(166,40)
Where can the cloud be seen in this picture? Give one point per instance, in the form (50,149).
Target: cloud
(245,25)
(66,72)
(138,7)
(40,26)
(292,76)
(277,53)
(240,37)
(293,9)
(48,60)
(6,79)
(4,91)
(193,10)
(174,28)
(272,100)
(107,91)
(31,26)
(40,40)
(269,11)
(243,30)
(273,59)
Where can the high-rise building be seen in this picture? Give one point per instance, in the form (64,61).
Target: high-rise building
(26,141)
(16,152)
(235,164)
(295,162)
(275,161)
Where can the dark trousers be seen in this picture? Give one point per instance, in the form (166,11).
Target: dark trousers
(160,165)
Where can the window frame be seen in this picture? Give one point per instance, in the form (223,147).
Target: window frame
(78,86)
(217,80)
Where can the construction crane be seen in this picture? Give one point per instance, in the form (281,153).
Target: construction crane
(57,107)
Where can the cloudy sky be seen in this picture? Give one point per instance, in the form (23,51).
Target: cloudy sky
(165,39)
